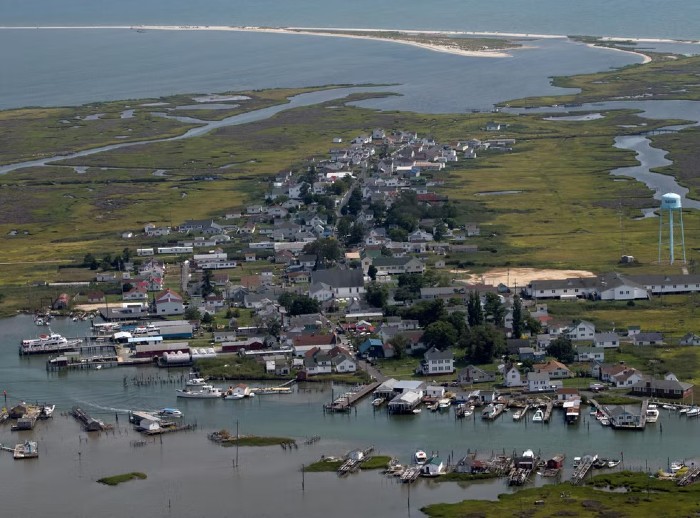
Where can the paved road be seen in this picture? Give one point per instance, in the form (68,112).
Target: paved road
(372,371)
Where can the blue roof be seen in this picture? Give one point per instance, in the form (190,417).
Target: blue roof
(370,342)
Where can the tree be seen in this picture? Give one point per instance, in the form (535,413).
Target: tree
(518,320)
(475,314)
(89,261)
(357,234)
(440,334)
(207,284)
(207,318)
(326,249)
(273,327)
(426,312)
(562,349)
(399,343)
(354,205)
(439,231)
(376,295)
(372,272)
(298,304)
(485,342)
(494,309)
(458,319)
(533,325)
(192,313)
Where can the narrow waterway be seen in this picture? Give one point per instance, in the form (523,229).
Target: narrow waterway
(296,101)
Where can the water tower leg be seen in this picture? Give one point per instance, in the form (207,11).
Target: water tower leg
(661,224)
(680,216)
(670,232)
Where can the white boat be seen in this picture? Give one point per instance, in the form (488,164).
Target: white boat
(47,411)
(613,462)
(378,401)
(683,411)
(652,414)
(577,461)
(538,417)
(468,411)
(196,382)
(676,466)
(205,392)
(517,415)
(604,421)
(234,396)
(420,457)
(444,403)
(693,412)
(668,407)
(416,410)
(48,343)
(170,412)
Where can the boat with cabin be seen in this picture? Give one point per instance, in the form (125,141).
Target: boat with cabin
(48,343)
(26,450)
(204,392)
(420,457)
(170,412)
(538,417)
(693,412)
(652,414)
(444,403)
(377,402)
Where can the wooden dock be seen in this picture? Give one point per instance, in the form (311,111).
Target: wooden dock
(343,404)
(582,469)
(521,413)
(410,474)
(548,412)
(690,477)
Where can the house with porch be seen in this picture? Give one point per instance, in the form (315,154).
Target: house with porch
(437,362)
(555,369)
(662,388)
(473,374)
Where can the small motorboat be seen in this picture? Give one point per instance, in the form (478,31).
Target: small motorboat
(676,466)
(693,412)
(538,417)
(377,402)
(444,403)
(170,412)
(47,411)
(613,463)
(420,457)
(668,407)
(577,462)
(416,410)
(234,395)
(604,421)
(683,411)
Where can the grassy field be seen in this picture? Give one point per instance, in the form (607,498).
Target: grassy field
(645,497)
(332,464)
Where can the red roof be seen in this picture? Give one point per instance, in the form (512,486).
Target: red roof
(323,339)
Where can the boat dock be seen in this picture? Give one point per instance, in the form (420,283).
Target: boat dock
(690,477)
(410,474)
(344,403)
(521,413)
(582,469)
(548,412)
(89,424)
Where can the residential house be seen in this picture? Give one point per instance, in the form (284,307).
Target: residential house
(662,388)
(621,417)
(169,302)
(588,354)
(555,369)
(375,348)
(512,377)
(324,342)
(606,340)
(136,293)
(627,378)
(437,362)
(648,339)
(581,330)
(336,283)
(690,339)
(398,265)
(568,394)
(473,374)
(95,297)
(538,382)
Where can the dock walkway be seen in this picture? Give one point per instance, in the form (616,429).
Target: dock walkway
(582,469)
(343,404)
(690,477)
(548,412)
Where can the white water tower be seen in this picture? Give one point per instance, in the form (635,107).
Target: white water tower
(670,207)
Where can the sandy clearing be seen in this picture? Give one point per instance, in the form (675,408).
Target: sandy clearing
(519,276)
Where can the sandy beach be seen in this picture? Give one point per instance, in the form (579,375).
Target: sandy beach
(519,276)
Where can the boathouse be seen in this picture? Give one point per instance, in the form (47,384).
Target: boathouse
(406,402)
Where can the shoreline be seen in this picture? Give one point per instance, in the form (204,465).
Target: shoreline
(347,32)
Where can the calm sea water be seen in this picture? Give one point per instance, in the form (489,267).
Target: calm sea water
(642,18)
(194,475)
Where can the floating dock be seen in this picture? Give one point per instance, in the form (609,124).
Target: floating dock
(410,474)
(344,403)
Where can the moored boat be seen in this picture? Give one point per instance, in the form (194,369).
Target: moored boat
(444,403)
(538,417)
(420,457)
(48,343)
(378,402)
(652,414)
(205,392)
(170,412)
(692,412)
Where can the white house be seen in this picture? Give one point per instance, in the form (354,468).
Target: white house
(336,283)
(606,340)
(581,330)
(437,362)
(435,391)
(538,381)
(512,377)
(169,303)
(344,363)
(588,354)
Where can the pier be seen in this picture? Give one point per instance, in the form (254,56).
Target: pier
(548,412)
(344,403)
(521,413)
(410,474)
(690,477)
(582,469)
(89,424)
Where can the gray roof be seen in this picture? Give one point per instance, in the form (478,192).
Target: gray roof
(652,280)
(436,354)
(392,261)
(337,278)
(574,282)
(662,384)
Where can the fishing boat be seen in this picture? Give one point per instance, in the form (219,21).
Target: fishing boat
(26,450)
(170,412)
(205,392)
(420,457)
(265,391)
(538,417)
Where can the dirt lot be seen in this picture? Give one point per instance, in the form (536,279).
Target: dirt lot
(518,276)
